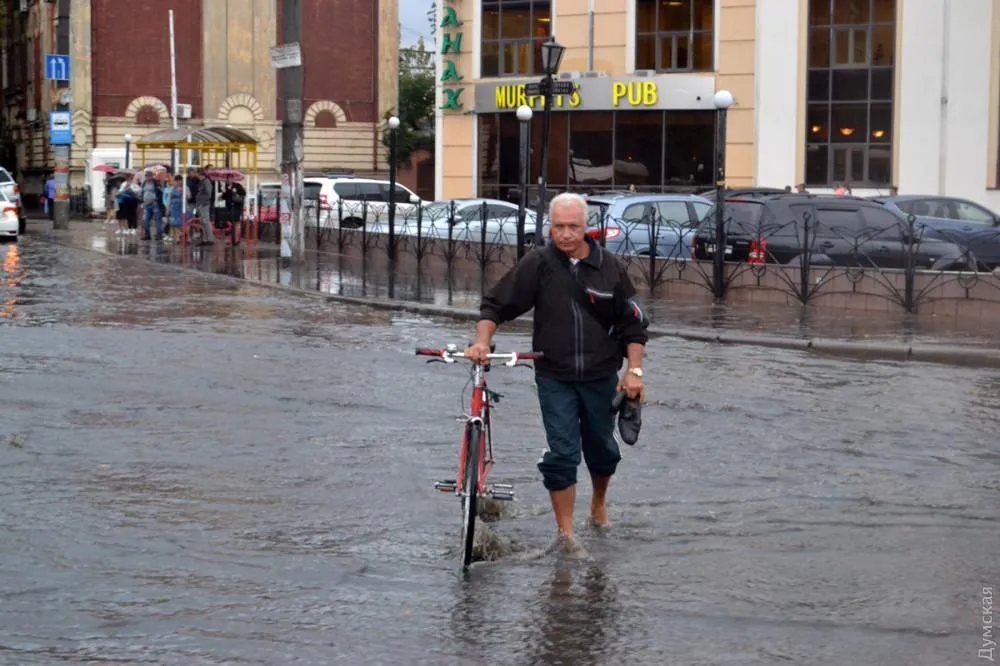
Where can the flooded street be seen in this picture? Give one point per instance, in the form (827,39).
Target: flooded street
(198,470)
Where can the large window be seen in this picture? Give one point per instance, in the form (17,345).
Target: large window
(849,128)
(513,33)
(591,151)
(674,35)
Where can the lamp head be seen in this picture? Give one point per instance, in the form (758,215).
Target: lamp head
(524,113)
(393,123)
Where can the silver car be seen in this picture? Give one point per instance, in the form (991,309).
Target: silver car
(12,193)
(500,221)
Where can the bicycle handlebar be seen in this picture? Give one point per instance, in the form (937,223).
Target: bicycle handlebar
(451,354)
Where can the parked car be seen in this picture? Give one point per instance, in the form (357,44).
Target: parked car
(842,231)
(644,224)
(744,192)
(350,202)
(10,220)
(12,193)
(501,221)
(959,221)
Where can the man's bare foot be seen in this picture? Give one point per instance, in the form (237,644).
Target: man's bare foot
(599,526)
(599,515)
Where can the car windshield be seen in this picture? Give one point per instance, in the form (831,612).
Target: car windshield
(596,211)
(310,191)
(5,177)
(738,215)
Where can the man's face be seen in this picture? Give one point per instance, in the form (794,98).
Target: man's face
(568,227)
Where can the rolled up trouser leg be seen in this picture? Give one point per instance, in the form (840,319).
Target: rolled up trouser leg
(597,425)
(560,408)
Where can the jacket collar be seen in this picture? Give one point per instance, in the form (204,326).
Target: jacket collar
(595,258)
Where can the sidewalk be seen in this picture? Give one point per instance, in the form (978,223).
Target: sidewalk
(365,279)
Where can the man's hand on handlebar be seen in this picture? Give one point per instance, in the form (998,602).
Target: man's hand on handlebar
(478,352)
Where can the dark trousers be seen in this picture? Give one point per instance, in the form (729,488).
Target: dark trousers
(577,418)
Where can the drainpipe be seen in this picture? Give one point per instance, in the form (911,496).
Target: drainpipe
(945,59)
(590,40)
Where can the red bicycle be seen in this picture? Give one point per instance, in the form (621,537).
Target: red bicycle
(475,462)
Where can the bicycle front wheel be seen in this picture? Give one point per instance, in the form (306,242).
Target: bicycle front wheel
(470,489)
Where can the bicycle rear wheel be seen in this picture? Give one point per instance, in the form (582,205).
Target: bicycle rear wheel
(470,488)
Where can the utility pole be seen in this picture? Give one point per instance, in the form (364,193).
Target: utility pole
(60,121)
(287,57)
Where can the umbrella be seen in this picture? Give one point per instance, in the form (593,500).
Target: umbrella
(105,168)
(227,175)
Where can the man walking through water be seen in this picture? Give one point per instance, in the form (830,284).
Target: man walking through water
(585,322)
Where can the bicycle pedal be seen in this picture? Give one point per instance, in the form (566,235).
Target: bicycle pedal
(502,495)
(445,486)
(502,486)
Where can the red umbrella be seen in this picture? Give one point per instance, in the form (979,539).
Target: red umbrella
(227,175)
(105,168)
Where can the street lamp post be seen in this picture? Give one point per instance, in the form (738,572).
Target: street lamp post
(393,132)
(524,114)
(128,149)
(723,100)
(552,54)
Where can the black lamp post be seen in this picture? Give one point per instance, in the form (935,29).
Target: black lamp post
(552,54)
(524,114)
(128,149)
(723,100)
(393,132)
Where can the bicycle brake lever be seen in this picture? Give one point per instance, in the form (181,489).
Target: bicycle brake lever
(437,360)
(524,365)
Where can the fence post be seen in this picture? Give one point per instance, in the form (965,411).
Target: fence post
(805,263)
(319,224)
(654,216)
(340,225)
(909,275)
(450,256)
(420,244)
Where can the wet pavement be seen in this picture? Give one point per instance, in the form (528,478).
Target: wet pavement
(367,276)
(204,471)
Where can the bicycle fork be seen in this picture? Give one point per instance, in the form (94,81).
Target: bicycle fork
(497,491)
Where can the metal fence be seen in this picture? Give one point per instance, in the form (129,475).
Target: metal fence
(907,263)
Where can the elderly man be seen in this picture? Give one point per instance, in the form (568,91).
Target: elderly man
(585,322)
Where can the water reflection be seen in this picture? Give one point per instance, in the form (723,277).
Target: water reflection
(576,622)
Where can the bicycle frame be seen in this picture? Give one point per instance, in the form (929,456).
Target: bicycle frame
(479,412)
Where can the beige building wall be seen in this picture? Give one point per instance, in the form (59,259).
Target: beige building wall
(735,68)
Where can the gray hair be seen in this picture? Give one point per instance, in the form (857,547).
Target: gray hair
(569,199)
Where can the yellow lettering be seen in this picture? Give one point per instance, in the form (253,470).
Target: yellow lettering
(559,100)
(634,94)
(574,99)
(521,97)
(649,93)
(501,96)
(617,92)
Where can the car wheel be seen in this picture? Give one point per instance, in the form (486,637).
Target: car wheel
(352,223)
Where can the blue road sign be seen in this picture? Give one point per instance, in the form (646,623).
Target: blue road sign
(60,128)
(57,67)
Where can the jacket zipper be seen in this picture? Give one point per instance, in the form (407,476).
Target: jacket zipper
(578,339)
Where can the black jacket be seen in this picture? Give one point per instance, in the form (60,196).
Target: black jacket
(579,345)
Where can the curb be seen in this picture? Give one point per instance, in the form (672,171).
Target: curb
(863,351)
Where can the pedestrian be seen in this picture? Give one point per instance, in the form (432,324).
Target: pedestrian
(586,322)
(128,206)
(50,196)
(174,199)
(152,206)
(204,201)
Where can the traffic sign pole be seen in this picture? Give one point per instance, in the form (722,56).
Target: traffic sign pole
(57,68)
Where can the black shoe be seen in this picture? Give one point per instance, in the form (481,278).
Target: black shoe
(629,417)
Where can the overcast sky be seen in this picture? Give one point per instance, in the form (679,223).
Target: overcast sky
(413,20)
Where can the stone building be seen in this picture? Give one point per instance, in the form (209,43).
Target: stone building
(120,82)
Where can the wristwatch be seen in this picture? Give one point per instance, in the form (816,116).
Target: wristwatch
(636,371)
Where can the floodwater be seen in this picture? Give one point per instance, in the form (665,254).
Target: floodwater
(202,471)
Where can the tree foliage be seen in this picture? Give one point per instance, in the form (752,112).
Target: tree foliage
(416,103)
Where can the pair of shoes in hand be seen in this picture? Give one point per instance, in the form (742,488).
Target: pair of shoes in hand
(629,417)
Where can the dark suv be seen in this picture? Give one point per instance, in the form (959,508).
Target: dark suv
(843,231)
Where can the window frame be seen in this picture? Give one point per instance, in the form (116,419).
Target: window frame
(658,36)
(500,43)
(823,105)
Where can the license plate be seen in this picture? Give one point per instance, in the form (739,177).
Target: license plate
(710,249)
